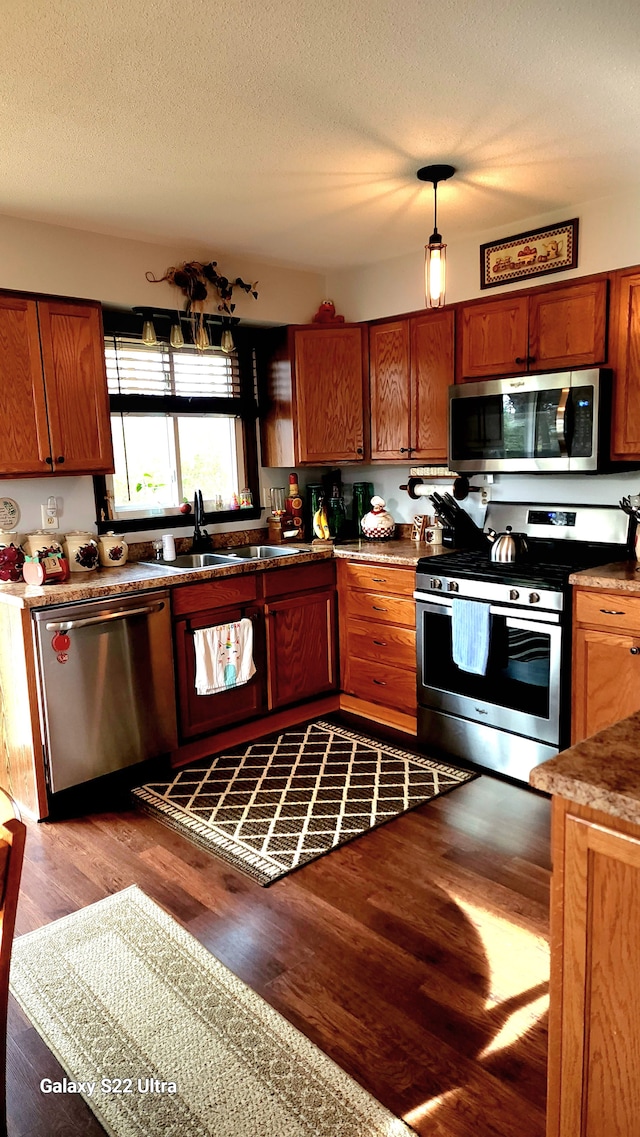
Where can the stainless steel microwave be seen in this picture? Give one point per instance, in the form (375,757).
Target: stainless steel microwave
(531,423)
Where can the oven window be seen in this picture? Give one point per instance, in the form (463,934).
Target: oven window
(518,668)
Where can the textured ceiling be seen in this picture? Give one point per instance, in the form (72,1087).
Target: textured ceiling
(293,130)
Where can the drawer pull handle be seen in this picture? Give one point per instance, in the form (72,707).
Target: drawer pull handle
(376,609)
(635,650)
(380,643)
(611,612)
(379,579)
(380,682)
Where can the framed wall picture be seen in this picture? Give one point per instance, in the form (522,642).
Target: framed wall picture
(553,248)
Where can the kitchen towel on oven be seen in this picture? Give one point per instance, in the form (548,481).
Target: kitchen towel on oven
(224,656)
(470,631)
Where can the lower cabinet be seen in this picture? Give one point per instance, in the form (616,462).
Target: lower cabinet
(606,661)
(594,1025)
(378,642)
(293,613)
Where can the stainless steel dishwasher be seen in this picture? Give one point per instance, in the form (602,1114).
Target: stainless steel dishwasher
(106,687)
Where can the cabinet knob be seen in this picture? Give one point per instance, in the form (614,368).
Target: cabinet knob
(634,650)
(531,359)
(380,682)
(377,609)
(359,450)
(520,359)
(383,643)
(60,460)
(49,461)
(405,449)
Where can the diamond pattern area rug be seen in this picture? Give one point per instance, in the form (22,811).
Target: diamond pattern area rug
(285,800)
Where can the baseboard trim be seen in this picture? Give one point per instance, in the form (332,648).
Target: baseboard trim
(386,716)
(248,731)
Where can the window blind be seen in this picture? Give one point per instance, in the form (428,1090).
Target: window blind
(133,368)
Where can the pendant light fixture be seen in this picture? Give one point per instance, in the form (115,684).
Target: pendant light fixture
(435,252)
(176,338)
(226,340)
(149,337)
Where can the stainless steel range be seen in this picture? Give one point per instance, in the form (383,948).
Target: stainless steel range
(494,638)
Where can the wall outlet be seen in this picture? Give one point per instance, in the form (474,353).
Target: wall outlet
(49,520)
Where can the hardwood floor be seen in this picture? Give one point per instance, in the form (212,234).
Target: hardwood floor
(416,956)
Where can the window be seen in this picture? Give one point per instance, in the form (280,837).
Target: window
(181,420)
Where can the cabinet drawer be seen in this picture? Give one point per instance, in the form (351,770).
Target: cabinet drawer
(615,610)
(379,683)
(378,578)
(379,607)
(366,639)
(299,578)
(213,594)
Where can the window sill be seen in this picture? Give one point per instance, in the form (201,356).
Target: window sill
(177,520)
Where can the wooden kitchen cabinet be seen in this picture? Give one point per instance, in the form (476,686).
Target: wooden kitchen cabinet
(316,397)
(594,1025)
(556,327)
(378,642)
(411,366)
(301,647)
(625,359)
(53,389)
(606,661)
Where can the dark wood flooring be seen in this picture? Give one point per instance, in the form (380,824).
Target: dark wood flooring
(415,956)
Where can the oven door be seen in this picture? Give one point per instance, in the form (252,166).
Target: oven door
(520,691)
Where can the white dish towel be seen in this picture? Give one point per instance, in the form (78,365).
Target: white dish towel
(224,656)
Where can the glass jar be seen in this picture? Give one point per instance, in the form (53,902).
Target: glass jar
(246,499)
(336,517)
(362,494)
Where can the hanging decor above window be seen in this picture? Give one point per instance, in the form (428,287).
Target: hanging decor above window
(196,280)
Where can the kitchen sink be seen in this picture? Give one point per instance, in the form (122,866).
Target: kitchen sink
(195,561)
(262,552)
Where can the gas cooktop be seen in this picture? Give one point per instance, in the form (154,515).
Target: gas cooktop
(548,568)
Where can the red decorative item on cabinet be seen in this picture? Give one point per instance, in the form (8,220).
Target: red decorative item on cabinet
(326,314)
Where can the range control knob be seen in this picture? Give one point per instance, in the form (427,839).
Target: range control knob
(435,582)
(453,586)
(534,597)
(514,594)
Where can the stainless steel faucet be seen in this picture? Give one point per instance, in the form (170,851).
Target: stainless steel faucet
(201,539)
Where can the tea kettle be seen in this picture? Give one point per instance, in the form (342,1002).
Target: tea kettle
(507,546)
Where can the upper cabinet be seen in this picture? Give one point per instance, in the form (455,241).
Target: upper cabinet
(625,359)
(316,389)
(411,369)
(549,328)
(53,390)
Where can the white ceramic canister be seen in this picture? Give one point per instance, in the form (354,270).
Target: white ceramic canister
(10,537)
(81,550)
(113,550)
(378,525)
(41,542)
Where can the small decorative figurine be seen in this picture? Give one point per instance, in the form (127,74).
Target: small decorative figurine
(379,524)
(326,314)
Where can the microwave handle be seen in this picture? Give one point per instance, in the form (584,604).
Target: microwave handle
(561,421)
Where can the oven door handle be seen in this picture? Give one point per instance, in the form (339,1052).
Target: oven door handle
(529,625)
(443,607)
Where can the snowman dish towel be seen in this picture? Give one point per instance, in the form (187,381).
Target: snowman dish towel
(224,656)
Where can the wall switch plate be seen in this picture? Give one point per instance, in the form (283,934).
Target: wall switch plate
(49,520)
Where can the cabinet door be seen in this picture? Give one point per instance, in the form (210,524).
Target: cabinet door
(389,387)
(625,360)
(599,1088)
(202,714)
(24,448)
(329,394)
(567,326)
(432,373)
(301,647)
(494,338)
(606,680)
(76,385)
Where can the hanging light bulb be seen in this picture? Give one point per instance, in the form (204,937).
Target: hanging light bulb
(435,253)
(148,331)
(226,340)
(202,340)
(176,338)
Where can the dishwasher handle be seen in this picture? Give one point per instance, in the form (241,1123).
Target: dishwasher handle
(70,625)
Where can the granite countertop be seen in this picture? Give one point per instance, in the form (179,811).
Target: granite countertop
(137,577)
(400,552)
(602,772)
(623,576)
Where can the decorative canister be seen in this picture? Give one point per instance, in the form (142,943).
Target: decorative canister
(81,550)
(379,524)
(113,550)
(42,544)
